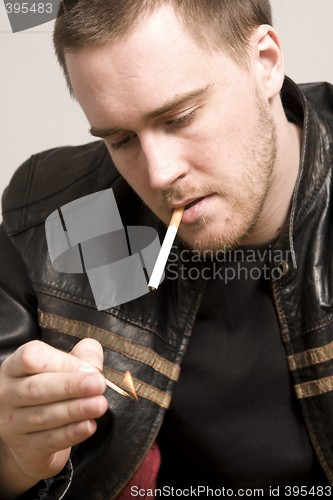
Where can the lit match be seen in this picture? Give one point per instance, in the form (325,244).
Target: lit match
(128,382)
(162,258)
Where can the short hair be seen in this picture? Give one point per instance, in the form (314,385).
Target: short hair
(223,24)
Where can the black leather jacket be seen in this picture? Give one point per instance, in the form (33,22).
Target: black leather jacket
(149,335)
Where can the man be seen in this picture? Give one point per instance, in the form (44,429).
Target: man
(186,96)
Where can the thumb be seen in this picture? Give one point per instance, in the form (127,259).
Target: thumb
(90,351)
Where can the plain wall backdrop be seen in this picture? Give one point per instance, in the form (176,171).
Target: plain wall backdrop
(36,112)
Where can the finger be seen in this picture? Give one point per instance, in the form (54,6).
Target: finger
(34,467)
(45,443)
(46,417)
(38,357)
(91,351)
(45,388)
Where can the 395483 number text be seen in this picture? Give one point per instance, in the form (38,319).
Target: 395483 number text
(25,8)
(306,491)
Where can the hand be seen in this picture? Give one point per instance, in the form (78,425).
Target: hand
(48,402)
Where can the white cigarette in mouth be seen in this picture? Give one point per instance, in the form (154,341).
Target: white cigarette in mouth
(162,257)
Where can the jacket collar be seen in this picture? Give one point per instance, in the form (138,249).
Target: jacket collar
(315,163)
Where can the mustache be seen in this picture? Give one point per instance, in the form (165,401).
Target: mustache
(190,191)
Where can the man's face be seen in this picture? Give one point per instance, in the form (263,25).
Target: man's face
(182,123)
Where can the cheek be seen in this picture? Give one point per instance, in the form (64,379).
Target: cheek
(231,125)
(217,152)
(126,164)
(230,144)
(133,171)
(220,135)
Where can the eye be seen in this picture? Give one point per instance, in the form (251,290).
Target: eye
(182,121)
(121,144)
(177,123)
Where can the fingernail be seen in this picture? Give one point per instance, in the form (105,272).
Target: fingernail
(84,427)
(94,360)
(88,406)
(93,383)
(86,367)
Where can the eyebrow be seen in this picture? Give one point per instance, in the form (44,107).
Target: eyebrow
(170,105)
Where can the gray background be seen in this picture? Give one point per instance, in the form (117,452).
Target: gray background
(36,112)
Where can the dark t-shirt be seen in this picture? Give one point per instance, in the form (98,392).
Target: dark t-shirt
(234,420)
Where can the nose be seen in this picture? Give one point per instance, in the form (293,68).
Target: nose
(164,160)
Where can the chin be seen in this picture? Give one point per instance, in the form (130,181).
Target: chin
(213,243)
(203,236)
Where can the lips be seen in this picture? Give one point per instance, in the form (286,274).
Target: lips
(196,208)
(189,205)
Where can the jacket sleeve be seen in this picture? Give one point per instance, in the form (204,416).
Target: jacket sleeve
(18,301)
(18,325)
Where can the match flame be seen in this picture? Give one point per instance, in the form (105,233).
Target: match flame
(128,383)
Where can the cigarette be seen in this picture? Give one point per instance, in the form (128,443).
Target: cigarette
(162,257)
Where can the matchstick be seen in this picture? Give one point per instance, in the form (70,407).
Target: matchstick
(131,394)
(162,257)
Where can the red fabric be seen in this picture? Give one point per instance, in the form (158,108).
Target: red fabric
(145,477)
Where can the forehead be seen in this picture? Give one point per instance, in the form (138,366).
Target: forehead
(144,68)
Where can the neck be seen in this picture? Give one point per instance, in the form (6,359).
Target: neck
(278,202)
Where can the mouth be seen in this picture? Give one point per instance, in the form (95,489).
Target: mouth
(189,205)
(196,208)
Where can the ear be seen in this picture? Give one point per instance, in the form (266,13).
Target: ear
(268,59)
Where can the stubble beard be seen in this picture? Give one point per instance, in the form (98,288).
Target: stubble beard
(260,157)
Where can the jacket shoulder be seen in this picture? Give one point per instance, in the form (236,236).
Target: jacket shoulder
(51,179)
(321,97)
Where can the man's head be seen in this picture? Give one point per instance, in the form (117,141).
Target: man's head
(185,120)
